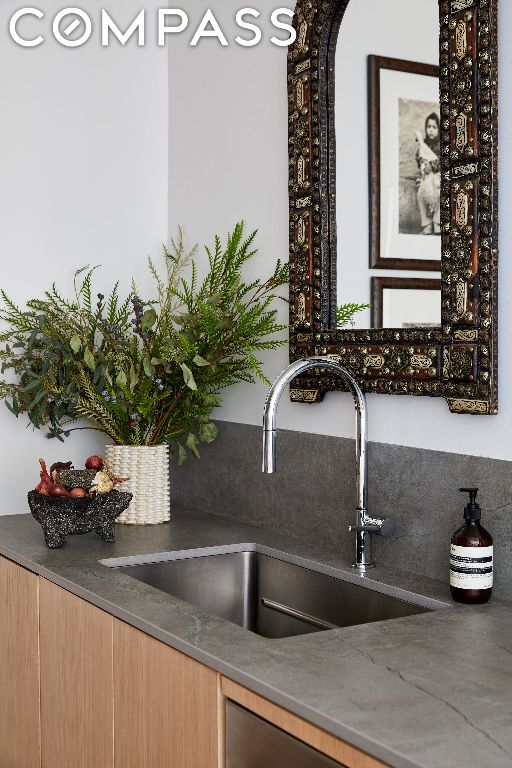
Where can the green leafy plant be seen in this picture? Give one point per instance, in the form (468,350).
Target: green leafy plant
(345,313)
(143,371)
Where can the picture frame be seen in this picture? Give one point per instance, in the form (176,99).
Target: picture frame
(384,316)
(401,96)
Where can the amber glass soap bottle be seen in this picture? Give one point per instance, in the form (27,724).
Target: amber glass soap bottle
(471,556)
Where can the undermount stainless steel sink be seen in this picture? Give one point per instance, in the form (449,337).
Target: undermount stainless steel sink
(266,594)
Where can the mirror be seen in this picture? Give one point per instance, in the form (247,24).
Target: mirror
(401,94)
(387,77)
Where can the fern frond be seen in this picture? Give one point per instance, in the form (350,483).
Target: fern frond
(345,313)
(58,301)
(12,307)
(112,303)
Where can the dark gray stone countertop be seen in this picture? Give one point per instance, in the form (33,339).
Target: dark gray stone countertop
(427,691)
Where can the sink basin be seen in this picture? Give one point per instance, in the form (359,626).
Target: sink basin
(266,594)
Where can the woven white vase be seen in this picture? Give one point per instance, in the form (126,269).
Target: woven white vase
(147,466)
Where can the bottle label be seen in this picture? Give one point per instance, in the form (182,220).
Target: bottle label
(471,567)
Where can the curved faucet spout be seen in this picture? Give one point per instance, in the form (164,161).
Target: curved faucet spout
(270,411)
(365,525)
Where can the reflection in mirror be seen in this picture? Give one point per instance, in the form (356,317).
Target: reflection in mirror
(399,302)
(386,78)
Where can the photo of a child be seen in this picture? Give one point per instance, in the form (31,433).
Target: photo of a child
(419,159)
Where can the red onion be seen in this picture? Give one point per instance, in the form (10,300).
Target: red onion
(46,484)
(78,493)
(59,491)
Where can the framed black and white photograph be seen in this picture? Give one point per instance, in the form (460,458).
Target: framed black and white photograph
(406,302)
(404,154)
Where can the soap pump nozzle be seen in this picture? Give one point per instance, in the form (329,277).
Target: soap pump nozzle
(472,511)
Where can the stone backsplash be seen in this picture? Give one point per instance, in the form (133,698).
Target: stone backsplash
(312,495)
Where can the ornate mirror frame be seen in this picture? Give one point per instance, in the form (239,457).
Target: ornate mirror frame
(458,361)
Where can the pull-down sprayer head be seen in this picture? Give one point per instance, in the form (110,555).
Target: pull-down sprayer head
(269,451)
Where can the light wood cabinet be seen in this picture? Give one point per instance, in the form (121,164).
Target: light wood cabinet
(165,705)
(81,689)
(19,667)
(76,681)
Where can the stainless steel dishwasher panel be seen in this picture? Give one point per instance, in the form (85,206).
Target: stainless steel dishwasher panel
(254,743)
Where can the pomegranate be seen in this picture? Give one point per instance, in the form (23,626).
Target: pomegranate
(94,462)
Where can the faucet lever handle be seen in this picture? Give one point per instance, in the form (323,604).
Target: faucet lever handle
(385,528)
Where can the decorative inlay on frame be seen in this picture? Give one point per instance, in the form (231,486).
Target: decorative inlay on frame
(463,97)
(470,169)
(459,363)
(459,360)
(393,361)
(460,5)
(465,335)
(305,395)
(477,407)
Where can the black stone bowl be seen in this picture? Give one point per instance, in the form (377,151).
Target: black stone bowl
(62,517)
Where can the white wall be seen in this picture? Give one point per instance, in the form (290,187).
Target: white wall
(83,180)
(96,168)
(231,106)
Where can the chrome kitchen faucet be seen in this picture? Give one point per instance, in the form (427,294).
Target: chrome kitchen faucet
(365,525)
